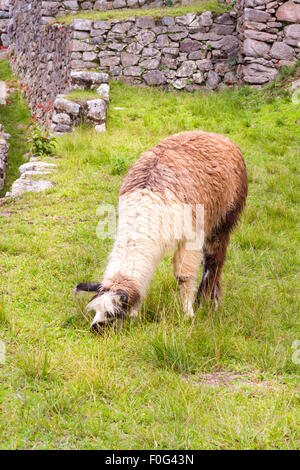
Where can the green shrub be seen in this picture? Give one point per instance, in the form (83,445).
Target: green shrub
(41,141)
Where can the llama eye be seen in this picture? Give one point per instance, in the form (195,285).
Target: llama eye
(123,295)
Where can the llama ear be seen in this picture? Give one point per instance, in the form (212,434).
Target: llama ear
(123,295)
(88,287)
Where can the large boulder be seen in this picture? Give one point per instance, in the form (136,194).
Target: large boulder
(22,185)
(86,80)
(61,104)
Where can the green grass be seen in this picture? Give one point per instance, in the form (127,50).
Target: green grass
(83,95)
(198,6)
(14,117)
(144,386)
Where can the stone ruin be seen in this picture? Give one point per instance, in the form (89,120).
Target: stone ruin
(248,44)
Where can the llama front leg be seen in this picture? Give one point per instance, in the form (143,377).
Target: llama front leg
(185,263)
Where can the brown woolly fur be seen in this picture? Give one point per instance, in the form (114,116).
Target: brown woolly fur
(186,169)
(198,168)
(121,282)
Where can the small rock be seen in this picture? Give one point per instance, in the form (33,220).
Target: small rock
(96,110)
(206,19)
(280,50)
(292,31)
(128,59)
(61,118)
(82,25)
(180,83)
(133,71)
(100,128)
(145,37)
(186,69)
(213,79)
(154,77)
(188,45)
(22,186)
(198,78)
(254,48)
(204,64)
(256,15)
(149,64)
(103,91)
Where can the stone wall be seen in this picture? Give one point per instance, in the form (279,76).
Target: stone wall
(61,7)
(5,16)
(269,35)
(69,113)
(4,146)
(249,45)
(184,52)
(41,58)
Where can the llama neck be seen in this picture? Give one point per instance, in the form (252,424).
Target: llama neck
(139,245)
(134,261)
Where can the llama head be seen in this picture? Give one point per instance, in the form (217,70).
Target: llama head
(115,298)
(108,305)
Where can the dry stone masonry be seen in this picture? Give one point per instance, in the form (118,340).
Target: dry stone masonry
(183,52)
(68,113)
(4,146)
(246,45)
(269,35)
(53,9)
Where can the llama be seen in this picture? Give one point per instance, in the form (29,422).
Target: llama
(190,169)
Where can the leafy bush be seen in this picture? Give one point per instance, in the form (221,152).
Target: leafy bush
(41,141)
(119,167)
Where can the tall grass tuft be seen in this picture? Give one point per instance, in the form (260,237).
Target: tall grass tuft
(171,351)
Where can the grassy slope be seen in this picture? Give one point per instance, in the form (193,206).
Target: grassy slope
(197,6)
(14,117)
(62,387)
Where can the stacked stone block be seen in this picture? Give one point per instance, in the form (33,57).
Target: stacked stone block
(69,113)
(247,45)
(269,37)
(52,9)
(4,146)
(187,51)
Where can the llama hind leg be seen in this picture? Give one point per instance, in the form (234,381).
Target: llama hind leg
(186,263)
(214,255)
